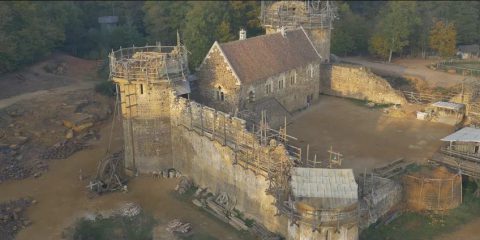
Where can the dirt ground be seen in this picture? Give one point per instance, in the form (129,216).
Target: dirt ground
(410,68)
(468,231)
(366,137)
(66,70)
(62,196)
(33,104)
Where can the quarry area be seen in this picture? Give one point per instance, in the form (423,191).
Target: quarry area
(271,137)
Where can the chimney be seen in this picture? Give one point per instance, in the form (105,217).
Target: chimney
(243,34)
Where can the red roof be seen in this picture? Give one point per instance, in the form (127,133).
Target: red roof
(261,57)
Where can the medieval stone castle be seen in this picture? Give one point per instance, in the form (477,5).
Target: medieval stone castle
(219,141)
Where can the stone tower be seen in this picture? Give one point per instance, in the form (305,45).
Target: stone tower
(314,16)
(146,78)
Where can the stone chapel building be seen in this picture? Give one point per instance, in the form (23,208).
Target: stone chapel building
(277,72)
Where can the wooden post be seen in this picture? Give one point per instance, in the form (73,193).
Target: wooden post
(439,195)
(308,147)
(191,116)
(225,129)
(214,121)
(201,119)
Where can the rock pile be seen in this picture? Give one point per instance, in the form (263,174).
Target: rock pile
(130,210)
(183,185)
(12,217)
(176,226)
(63,149)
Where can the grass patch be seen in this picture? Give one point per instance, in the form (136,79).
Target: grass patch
(364,102)
(421,226)
(117,227)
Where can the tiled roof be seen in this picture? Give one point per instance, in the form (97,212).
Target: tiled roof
(260,57)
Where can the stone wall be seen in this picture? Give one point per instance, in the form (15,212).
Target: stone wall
(218,153)
(304,232)
(290,88)
(146,117)
(292,95)
(358,82)
(321,40)
(211,147)
(213,73)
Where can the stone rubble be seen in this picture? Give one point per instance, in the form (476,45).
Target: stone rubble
(12,217)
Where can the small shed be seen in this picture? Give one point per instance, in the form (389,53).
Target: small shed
(468,51)
(465,141)
(448,112)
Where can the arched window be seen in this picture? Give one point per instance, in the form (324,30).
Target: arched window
(251,96)
(219,94)
(293,77)
(268,88)
(281,82)
(310,71)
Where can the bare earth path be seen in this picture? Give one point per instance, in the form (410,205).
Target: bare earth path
(34,81)
(469,231)
(410,67)
(32,95)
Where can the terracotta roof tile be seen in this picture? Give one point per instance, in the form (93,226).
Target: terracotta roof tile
(264,56)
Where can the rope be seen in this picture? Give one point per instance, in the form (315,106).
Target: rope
(115,109)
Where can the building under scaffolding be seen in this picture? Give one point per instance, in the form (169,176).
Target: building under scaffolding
(146,78)
(316,17)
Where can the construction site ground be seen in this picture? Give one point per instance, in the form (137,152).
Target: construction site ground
(37,112)
(410,68)
(468,231)
(63,198)
(367,137)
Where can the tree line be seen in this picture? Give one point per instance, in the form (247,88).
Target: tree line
(32,30)
(415,28)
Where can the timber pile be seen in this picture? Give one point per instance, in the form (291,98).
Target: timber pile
(176,226)
(129,210)
(263,233)
(392,169)
(12,217)
(221,208)
(63,149)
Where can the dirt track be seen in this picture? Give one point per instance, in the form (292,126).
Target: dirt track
(468,231)
(31,80)
(410,68)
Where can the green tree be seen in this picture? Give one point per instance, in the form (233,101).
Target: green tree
(202,20)
(30,30)
(394,27)
(443,38)
(349,33)
(245,14)
(163,19)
